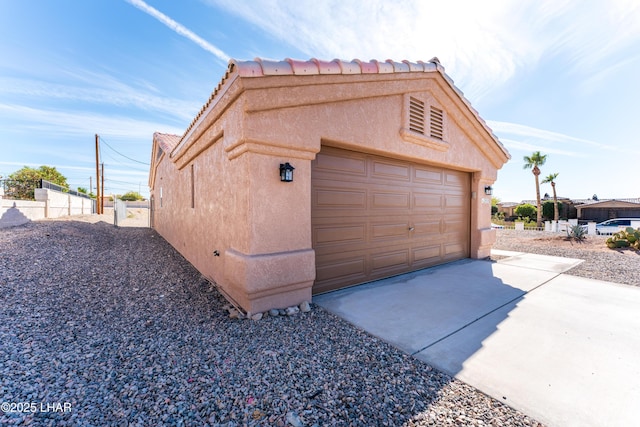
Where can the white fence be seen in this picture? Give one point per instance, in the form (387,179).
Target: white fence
(551,226)
(48,204)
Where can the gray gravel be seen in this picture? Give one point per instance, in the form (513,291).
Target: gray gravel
(114,322)
(601,263)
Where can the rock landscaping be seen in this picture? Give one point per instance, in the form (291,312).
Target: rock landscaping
(620,265)
(111,326)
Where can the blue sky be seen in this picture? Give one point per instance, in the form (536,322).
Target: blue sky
(557,76)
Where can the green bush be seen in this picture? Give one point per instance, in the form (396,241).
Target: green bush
(547,210)
(131,196)
(525,210)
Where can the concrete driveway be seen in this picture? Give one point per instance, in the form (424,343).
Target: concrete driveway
(562,349)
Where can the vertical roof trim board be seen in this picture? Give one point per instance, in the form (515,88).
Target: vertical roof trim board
(263,67)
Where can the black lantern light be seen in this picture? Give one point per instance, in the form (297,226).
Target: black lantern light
(286,172)
(488,190)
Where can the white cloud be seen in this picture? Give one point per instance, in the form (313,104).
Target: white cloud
(481,44)
(541,136)
(103,89)
(513,145)
(76,123)
(179,29)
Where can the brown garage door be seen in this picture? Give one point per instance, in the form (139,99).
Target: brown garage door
(375,217)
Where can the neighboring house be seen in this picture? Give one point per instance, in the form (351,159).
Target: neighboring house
(567,208)
(508,208)
(393,169)
(602,210)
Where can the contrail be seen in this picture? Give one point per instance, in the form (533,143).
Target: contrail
(179,28)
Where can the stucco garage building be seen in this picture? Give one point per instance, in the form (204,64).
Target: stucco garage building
(391,169)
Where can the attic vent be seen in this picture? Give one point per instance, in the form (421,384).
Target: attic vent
(437,123)
(416,115)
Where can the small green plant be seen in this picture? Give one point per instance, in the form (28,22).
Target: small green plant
(627,238)
(498,218)
(528,222)
(576,232)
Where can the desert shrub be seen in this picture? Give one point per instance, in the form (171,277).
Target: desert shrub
(627,238)
(576,232)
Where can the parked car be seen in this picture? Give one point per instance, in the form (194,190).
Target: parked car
(611,226)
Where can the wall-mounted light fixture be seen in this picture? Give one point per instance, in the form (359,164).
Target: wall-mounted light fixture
(286,172)
(488,190)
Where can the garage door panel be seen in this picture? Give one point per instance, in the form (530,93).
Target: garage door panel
(454,178)
(453,225)
(391,230)
(428,201)
(391,171)
(455,249)
(453,203)
(428,175)
(340,271)
(388,200)
(327,198)
(386,261)
(425,256)
(341,163)
(385,217)
(427,228)
(333,235)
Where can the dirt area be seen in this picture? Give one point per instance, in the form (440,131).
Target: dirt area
(136,217)
(560,241)
(592,243)
(600,262)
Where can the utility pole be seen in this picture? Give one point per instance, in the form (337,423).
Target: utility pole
(98,205)
(102,197)
(90,185)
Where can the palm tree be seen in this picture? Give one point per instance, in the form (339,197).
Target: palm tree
(551,179)
(532,162)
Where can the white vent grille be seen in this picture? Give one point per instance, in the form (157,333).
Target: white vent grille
(436,127)
(416,115)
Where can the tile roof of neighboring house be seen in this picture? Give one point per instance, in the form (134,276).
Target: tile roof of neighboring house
(264,67)
(167,141)
(583,201)
(592,202)
(509,204)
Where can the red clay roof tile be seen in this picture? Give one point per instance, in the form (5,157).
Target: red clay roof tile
(167,141)
(264,67)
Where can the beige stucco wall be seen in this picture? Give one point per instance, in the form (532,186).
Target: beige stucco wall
(260,226)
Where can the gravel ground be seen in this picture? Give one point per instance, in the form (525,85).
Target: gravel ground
(600,262)
(115,324)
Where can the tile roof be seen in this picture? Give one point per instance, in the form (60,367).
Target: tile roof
(264,67)
(167,141)
(593,202)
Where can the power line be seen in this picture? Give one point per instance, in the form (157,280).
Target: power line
(126,157)
(123,182)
